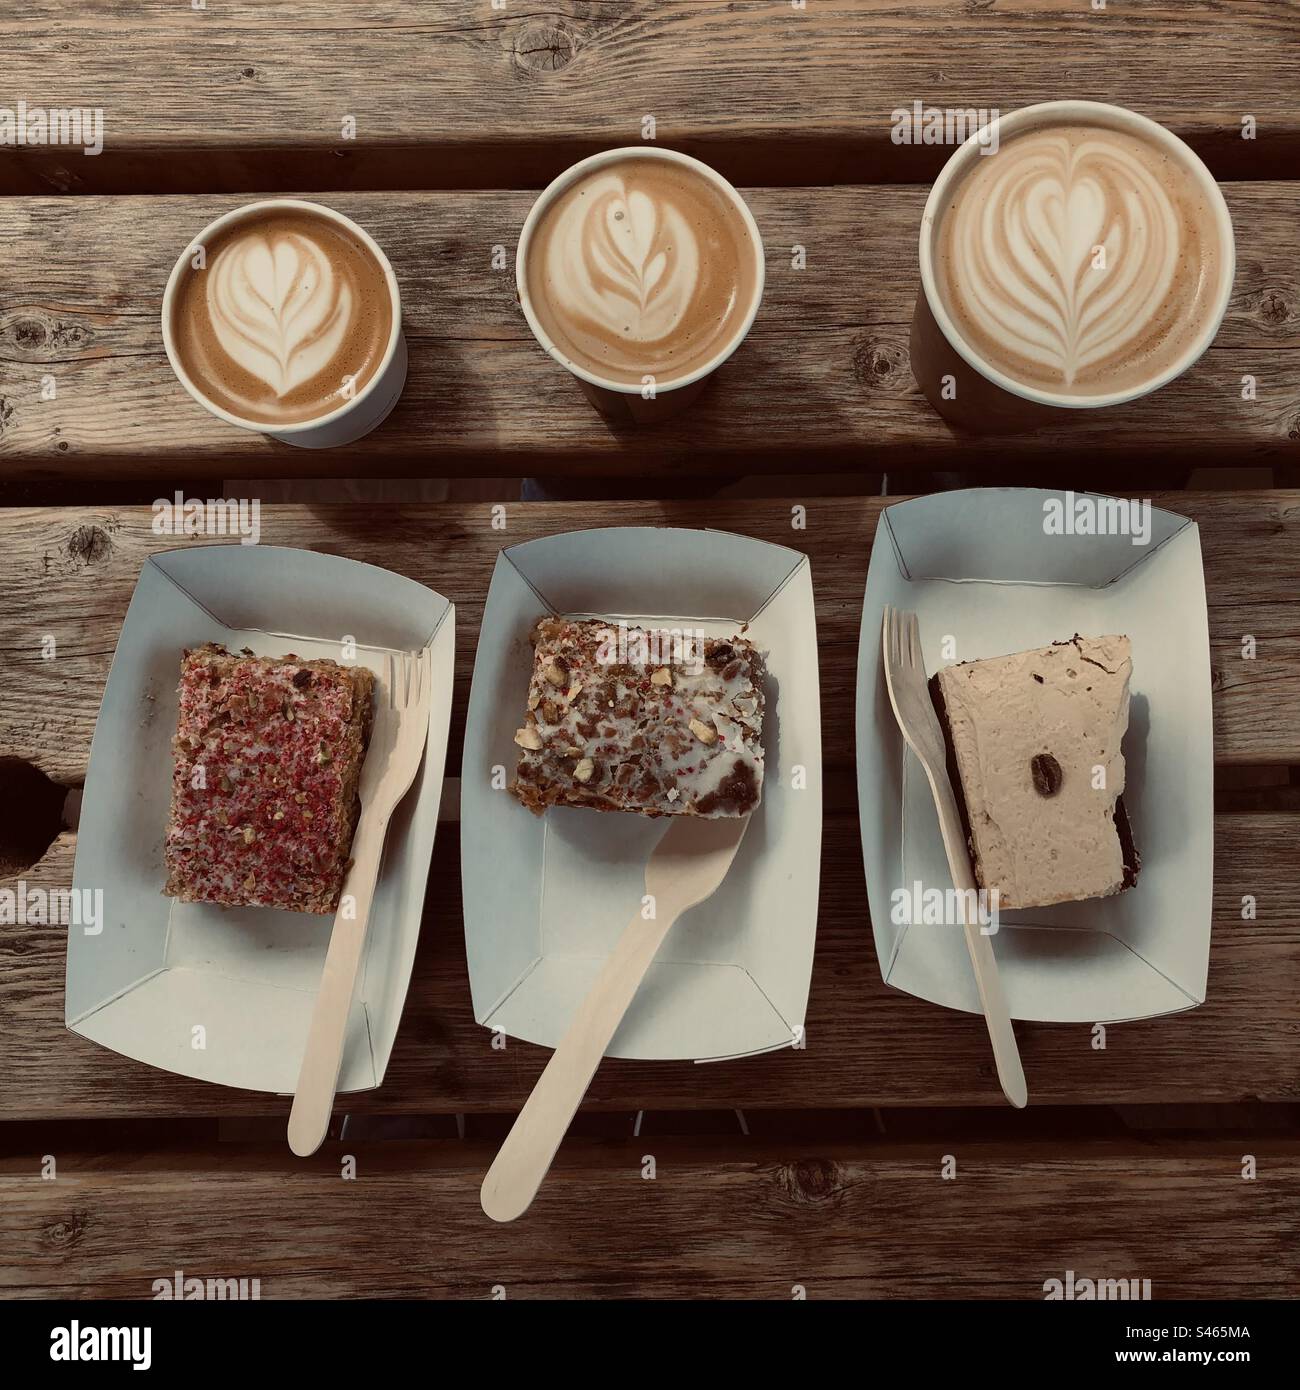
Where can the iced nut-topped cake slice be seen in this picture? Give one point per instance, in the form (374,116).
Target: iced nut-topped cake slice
(647,720)
(266,761)
(1034,757)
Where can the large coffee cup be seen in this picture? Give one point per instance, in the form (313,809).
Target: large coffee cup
(1082,259)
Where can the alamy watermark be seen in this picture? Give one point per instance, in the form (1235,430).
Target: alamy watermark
(1079,1288)
(41,125)
(945,907)
(41,907)
(179,515)
(1087,515)
(682,647)
(919,124)
(190,1288)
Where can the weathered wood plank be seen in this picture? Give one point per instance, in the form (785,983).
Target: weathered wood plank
(444,94)
(822,383)
(867,1044)
(720,1220)
(69,573)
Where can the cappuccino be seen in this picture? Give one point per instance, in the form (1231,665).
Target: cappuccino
(643,266)
(289,318)
(1083,259)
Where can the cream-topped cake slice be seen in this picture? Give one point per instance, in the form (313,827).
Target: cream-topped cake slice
(625,718)
(1034,754)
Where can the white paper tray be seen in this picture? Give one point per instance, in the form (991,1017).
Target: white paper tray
(547,897)
(978,565)
(247,977)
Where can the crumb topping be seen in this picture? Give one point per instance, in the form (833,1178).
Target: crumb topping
(650,723)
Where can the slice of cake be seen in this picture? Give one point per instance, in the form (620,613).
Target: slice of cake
(266,760)
(656,721)
(1034,757)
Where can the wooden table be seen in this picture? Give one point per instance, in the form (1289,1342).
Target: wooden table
(463,110)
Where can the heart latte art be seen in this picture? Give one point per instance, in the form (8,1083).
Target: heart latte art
(1079,259)
(642,267)
(290,318)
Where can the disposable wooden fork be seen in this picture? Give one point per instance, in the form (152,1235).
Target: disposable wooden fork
(397,739)
(914,710)
(687,866)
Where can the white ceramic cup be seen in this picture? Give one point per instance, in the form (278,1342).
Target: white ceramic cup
(354,417)
(987,399)
(649,402)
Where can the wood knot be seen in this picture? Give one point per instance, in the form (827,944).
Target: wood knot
(88,545)
(881,367)
(543,48)
(6,415)
(1273,310)
(811,1181)
(64,1235)
(40,336)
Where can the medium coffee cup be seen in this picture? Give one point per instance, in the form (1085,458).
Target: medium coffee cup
(284,317)
(1085,263)
(640,271)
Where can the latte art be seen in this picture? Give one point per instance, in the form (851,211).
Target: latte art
(641,268)
(624,261)
(278,309)
(290,319)
(1078,258)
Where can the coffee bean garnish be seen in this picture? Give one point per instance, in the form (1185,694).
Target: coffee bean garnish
(1047,775)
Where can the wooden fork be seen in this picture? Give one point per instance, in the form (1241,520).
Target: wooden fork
(397,739)
(914,710)
(687,866)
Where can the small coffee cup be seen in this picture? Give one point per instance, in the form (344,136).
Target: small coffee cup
(653,398)
(357,414)
(965,388)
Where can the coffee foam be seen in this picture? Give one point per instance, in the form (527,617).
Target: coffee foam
(1019,271)
(289,309)
(642,267)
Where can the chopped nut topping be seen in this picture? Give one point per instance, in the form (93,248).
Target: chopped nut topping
(583,772)
(534,698)
(556,673)
(249,834)
(663,676)
(528,737)
(703,732)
